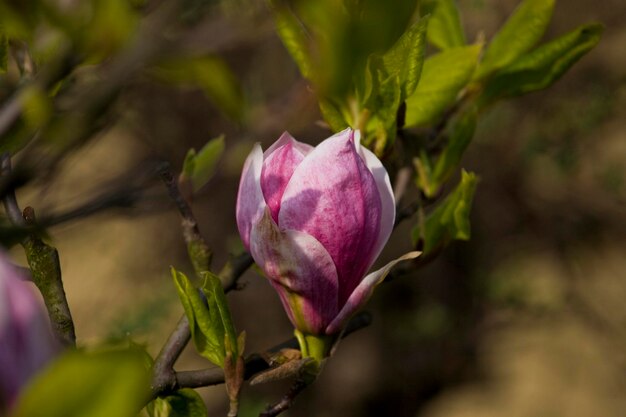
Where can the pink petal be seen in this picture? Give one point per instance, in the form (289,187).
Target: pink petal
(250,201)
(363,292)
(301,270)
(26,340)
(281,160)
(333,197)
(388,214)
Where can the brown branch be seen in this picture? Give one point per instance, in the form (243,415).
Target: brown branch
(255,363)
(288,399)
(199,251)
(45,267)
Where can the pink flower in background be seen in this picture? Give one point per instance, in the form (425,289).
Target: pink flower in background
(26,340)
(315,220)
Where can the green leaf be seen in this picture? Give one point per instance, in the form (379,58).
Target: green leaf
(381,128)
(183,403)
(293,35)
(406,58)
(450,220)
(332,115)
(212,75)
(217,299)
(209,317)
(521,32)
(112,26)
(443,77)
(459,136)
(544,65)
(88,385)
(444,28)
(204,323)
(200,167)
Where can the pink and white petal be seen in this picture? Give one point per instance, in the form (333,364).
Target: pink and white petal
(363,292)
(302,271)
(285,138)
(333,197)
(250,201)
(279,164)
(388,215)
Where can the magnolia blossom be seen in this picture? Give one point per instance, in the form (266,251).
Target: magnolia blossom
(26,341)
(315,220)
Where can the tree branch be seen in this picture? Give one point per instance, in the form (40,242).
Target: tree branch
(255,363)
(45,267)
(199,251)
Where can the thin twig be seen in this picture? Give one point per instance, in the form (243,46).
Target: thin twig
(288,399)
(199,251)
(164,377)
(9,200)
(233,269)
(255,363)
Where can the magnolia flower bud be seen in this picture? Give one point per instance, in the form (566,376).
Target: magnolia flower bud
(26,340)
(315,220)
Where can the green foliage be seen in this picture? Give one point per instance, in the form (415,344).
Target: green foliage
(450,220)
(443,77)
(459,134)
(331,41)
(37,106)
(112,25)
(212,75)
(294,37)
(521,32)
(444,30)
(18,19)
(199,167)
(406,58)
(183,403)
(544,65)
(381,129)
(88,385)
(332,115)
(209,317)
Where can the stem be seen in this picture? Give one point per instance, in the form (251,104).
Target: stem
(199,251)
(253,364)
(288,399)
(45,267)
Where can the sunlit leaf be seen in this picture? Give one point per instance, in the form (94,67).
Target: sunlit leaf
(381,129)
(443,77)
(183,403)
(521,32)
(88,385)
(293,35)
(444,27)
(217,299)
(405,59)
(344,34)
(450,220)
(209,317)
(199,167)
(544,65)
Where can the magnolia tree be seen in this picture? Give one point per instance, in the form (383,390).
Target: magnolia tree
(400,89)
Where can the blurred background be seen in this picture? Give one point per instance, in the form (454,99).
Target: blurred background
(526,319)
